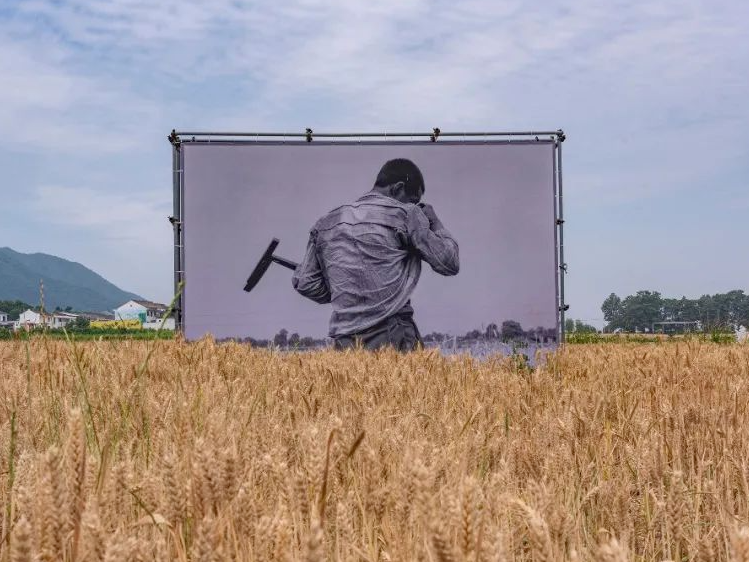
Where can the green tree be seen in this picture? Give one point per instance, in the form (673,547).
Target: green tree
(80,324)
(578,326)
(435,337)
(14,308)
(612,311)
(706,311)
(281,339)
(688,310)
(732,306)
(714,312)
(671,310)
(641,310)
(583,328)
(742,312)
(511,330)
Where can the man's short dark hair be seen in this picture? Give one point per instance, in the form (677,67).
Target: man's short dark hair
(401,169)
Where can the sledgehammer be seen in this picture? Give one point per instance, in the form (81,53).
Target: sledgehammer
(264,264)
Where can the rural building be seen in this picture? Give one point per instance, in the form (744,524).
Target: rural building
(168,325)
(145,311)
(30,319)
(677,327)
(4,322)
(94,316)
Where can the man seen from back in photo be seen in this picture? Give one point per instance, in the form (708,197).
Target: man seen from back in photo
(364,258)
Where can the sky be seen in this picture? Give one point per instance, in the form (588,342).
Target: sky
(652,96)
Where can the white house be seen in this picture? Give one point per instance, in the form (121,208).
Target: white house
(4,322)
(30,319)
(145,311)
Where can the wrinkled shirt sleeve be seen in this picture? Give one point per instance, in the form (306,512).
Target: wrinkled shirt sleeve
(308,278)
(437,247)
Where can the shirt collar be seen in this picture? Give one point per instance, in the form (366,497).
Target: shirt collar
(375,195)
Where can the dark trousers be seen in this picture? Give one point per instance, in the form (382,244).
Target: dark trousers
(398,331)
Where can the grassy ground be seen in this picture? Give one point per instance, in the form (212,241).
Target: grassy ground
(133,450)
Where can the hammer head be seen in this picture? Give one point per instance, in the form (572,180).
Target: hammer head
(262,266)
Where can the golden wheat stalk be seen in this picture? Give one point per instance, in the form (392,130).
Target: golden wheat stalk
(223,454)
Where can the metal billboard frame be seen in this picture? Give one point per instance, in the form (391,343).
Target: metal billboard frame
(178,138)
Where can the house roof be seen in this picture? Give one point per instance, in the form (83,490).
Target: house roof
(61,314)
(97,315)
(3,312)
(151,305)
(45,314)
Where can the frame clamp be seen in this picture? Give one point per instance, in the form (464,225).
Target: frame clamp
(435,134)
(561,137)
(560,221)
(308,134)
(563,267)
(564,308)
(173,138)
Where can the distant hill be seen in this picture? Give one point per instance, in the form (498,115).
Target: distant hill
(66,283)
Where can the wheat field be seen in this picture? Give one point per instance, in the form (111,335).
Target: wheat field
(174,451)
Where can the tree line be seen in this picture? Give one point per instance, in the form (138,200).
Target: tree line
(14,308)
(509,330)
(578,327)
(639,312)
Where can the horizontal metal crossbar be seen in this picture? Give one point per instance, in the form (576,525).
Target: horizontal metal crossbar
(434,135)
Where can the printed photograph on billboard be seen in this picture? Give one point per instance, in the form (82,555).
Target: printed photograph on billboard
(305,245)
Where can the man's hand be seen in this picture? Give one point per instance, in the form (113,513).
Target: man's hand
(434,222)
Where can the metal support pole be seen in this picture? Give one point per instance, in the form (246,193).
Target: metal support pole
(181,177)
(557,271)
(562,265)
(176,220)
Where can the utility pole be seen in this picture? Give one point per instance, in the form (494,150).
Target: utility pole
(41,301)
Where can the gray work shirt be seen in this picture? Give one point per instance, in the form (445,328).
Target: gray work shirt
(365,259)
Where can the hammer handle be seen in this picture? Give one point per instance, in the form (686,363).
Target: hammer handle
(284,262)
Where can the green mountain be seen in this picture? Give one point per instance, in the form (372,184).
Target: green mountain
(66,283)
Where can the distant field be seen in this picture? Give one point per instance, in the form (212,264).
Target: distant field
(715,337)
(78,335)
(162,450)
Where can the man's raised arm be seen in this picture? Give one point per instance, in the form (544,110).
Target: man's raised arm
(308,278)
(435,244)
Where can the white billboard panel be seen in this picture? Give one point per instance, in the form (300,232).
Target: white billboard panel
(495,200)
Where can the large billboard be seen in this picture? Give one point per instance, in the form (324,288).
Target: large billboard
(498,285)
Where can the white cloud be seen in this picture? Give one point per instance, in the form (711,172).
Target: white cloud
(651,94)
(392,63)
(124,236)
(46,103)
(138,217)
